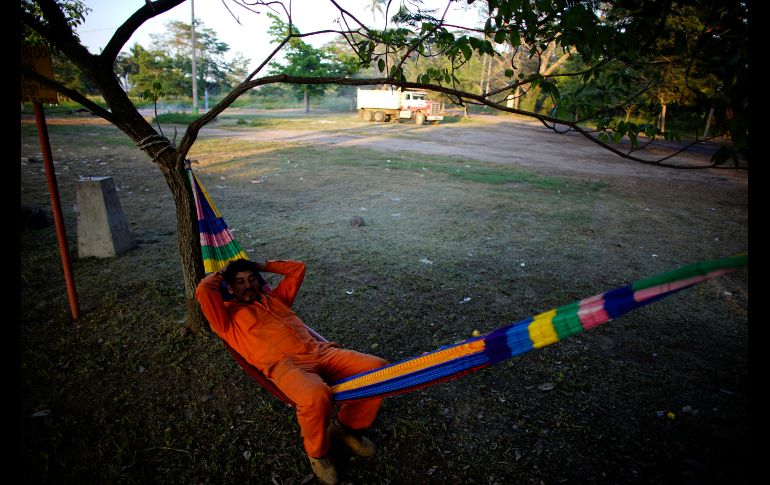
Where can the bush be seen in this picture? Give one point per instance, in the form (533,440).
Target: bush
(176,118)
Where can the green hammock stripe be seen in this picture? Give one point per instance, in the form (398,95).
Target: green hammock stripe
(691,270)
(566,321)
(223,253)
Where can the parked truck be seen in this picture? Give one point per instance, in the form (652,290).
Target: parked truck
(395,105)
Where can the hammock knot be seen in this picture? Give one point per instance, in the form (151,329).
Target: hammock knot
(155,139)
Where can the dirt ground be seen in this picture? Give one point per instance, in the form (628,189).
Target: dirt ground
(469,226)
(513,140)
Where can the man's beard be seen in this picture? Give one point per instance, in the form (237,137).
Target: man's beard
(249,296)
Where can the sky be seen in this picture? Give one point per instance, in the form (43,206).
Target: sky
(249,37)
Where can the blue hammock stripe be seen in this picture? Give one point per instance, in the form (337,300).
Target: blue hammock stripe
(417,380)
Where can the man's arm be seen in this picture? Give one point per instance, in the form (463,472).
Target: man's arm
(212,305)
(294,274)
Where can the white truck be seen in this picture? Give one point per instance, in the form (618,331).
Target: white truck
(395,105)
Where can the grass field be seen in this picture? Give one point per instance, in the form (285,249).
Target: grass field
(124,395)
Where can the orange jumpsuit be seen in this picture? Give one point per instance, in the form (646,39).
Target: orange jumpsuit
(271,337)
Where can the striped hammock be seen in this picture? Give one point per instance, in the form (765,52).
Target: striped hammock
(456,360)
(217,243)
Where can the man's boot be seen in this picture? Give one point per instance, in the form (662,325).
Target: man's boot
(355,441)
(324,470)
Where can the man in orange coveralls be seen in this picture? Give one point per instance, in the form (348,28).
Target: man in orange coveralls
(263,329)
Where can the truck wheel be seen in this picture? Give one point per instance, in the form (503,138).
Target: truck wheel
(419,119)
(366,115)
(379,116)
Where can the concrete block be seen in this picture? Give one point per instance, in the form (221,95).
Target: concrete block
(102,228)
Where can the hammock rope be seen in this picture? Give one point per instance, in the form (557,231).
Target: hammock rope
(453,361)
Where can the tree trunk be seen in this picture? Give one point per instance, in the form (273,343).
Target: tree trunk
(481,79)
(188,238)
(170,162)
(489,68)
(307,100)
(517,97)
(708,123)
(662,121)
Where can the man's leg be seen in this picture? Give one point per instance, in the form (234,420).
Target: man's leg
(313,402)
(340,363)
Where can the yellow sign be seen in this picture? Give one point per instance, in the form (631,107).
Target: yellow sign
(37,58)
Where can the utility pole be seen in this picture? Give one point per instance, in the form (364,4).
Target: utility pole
(194,67)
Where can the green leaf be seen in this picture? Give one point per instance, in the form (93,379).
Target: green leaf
(632,137)
(467,52)
(500,37)
(488,27)
(381,64)
(509,73)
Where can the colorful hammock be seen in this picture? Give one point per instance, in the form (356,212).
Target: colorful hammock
(217,243)
(453,361)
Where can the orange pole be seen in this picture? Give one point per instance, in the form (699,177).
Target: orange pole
(53,190)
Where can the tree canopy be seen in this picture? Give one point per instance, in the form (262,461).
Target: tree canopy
(301,59)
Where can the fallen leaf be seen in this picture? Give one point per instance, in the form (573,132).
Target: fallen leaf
(546,386)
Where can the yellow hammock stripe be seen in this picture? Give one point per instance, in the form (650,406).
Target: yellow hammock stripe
(410,366)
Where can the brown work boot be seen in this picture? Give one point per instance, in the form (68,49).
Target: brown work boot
(355,441)
(324,470)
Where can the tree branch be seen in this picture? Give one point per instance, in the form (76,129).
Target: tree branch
(124,32)
(93,107)
(345,12)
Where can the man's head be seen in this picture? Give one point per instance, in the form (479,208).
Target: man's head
(243,281)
